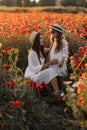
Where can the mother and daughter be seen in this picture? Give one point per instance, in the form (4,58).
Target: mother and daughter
(53,70)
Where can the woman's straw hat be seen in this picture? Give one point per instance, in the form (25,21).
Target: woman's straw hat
(33,36)
(57,27)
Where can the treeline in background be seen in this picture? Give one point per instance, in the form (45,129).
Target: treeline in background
(30,3)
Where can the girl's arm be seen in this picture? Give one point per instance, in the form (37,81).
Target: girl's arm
(35,65)
(46,50)
(34,62)
(62,62)
(65,53)
(52,62)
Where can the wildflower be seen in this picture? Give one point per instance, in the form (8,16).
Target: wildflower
(31,83)
(85,54)
(43,84)
(20,44)
(10,84)
(36,87)
(84,75)
(85,65)
(0,45)
(60,99)
(80,48)
(80,86)
(16,104)
(3,51)
(8,48)
(40,89)
(38,27)
(80,101)
(7,65)
(5,71)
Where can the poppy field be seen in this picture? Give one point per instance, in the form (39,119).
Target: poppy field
(16,91)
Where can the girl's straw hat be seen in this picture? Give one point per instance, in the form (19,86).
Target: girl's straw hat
(57,27)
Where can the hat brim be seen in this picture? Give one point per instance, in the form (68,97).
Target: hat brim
(61,31)
(33,36)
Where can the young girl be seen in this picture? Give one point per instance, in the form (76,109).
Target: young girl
(59,51)
(38,70)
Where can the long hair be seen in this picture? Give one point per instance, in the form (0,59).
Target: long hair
(37,47)
(59,41)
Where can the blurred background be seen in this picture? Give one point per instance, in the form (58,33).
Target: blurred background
(31,3)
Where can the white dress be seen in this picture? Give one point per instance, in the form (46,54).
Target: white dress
(61,71)
(34,72)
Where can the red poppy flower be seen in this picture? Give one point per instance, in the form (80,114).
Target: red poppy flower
(7,65)
(3,51)
(10,84)
(16,104)
(80,101)
(43,84)
(5,71)
(60,99)
(8,48)
(0,45)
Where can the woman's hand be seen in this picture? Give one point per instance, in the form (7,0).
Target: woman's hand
(46,50)
(62,62)
(53,62)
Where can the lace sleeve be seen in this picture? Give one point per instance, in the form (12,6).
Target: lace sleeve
(65,49)
(34,62)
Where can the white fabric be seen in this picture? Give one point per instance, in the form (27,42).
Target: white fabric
(61,71)
(34,71)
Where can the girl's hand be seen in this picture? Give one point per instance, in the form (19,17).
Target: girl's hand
(62,62)
(46,50)
(53,62)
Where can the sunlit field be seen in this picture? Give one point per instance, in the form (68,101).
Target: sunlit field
(15,28)
(16,91)
(12,24)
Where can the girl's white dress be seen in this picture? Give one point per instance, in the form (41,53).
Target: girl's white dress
(34,72)
(61,71)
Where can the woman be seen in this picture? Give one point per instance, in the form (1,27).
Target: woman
(59,51)
(38,70)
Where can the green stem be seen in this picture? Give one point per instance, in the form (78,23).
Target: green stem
(80,62)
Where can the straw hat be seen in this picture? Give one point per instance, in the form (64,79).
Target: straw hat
(33,36)
(57,27)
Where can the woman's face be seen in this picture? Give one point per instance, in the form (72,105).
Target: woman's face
(54,34)
(41,40)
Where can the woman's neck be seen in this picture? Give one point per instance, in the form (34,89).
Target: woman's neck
(41,55)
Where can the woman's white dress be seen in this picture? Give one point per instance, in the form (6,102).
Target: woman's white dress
(34,72)
(61,71)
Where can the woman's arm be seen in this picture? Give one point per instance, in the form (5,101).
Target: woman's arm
(34,62)
(62,62)
(46,50)
(65,53)
(52,62)
(35,65)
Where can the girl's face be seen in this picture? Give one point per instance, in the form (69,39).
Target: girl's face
(41,40)
(54,34)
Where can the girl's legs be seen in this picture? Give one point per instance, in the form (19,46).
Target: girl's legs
(60,81)
(55,85)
